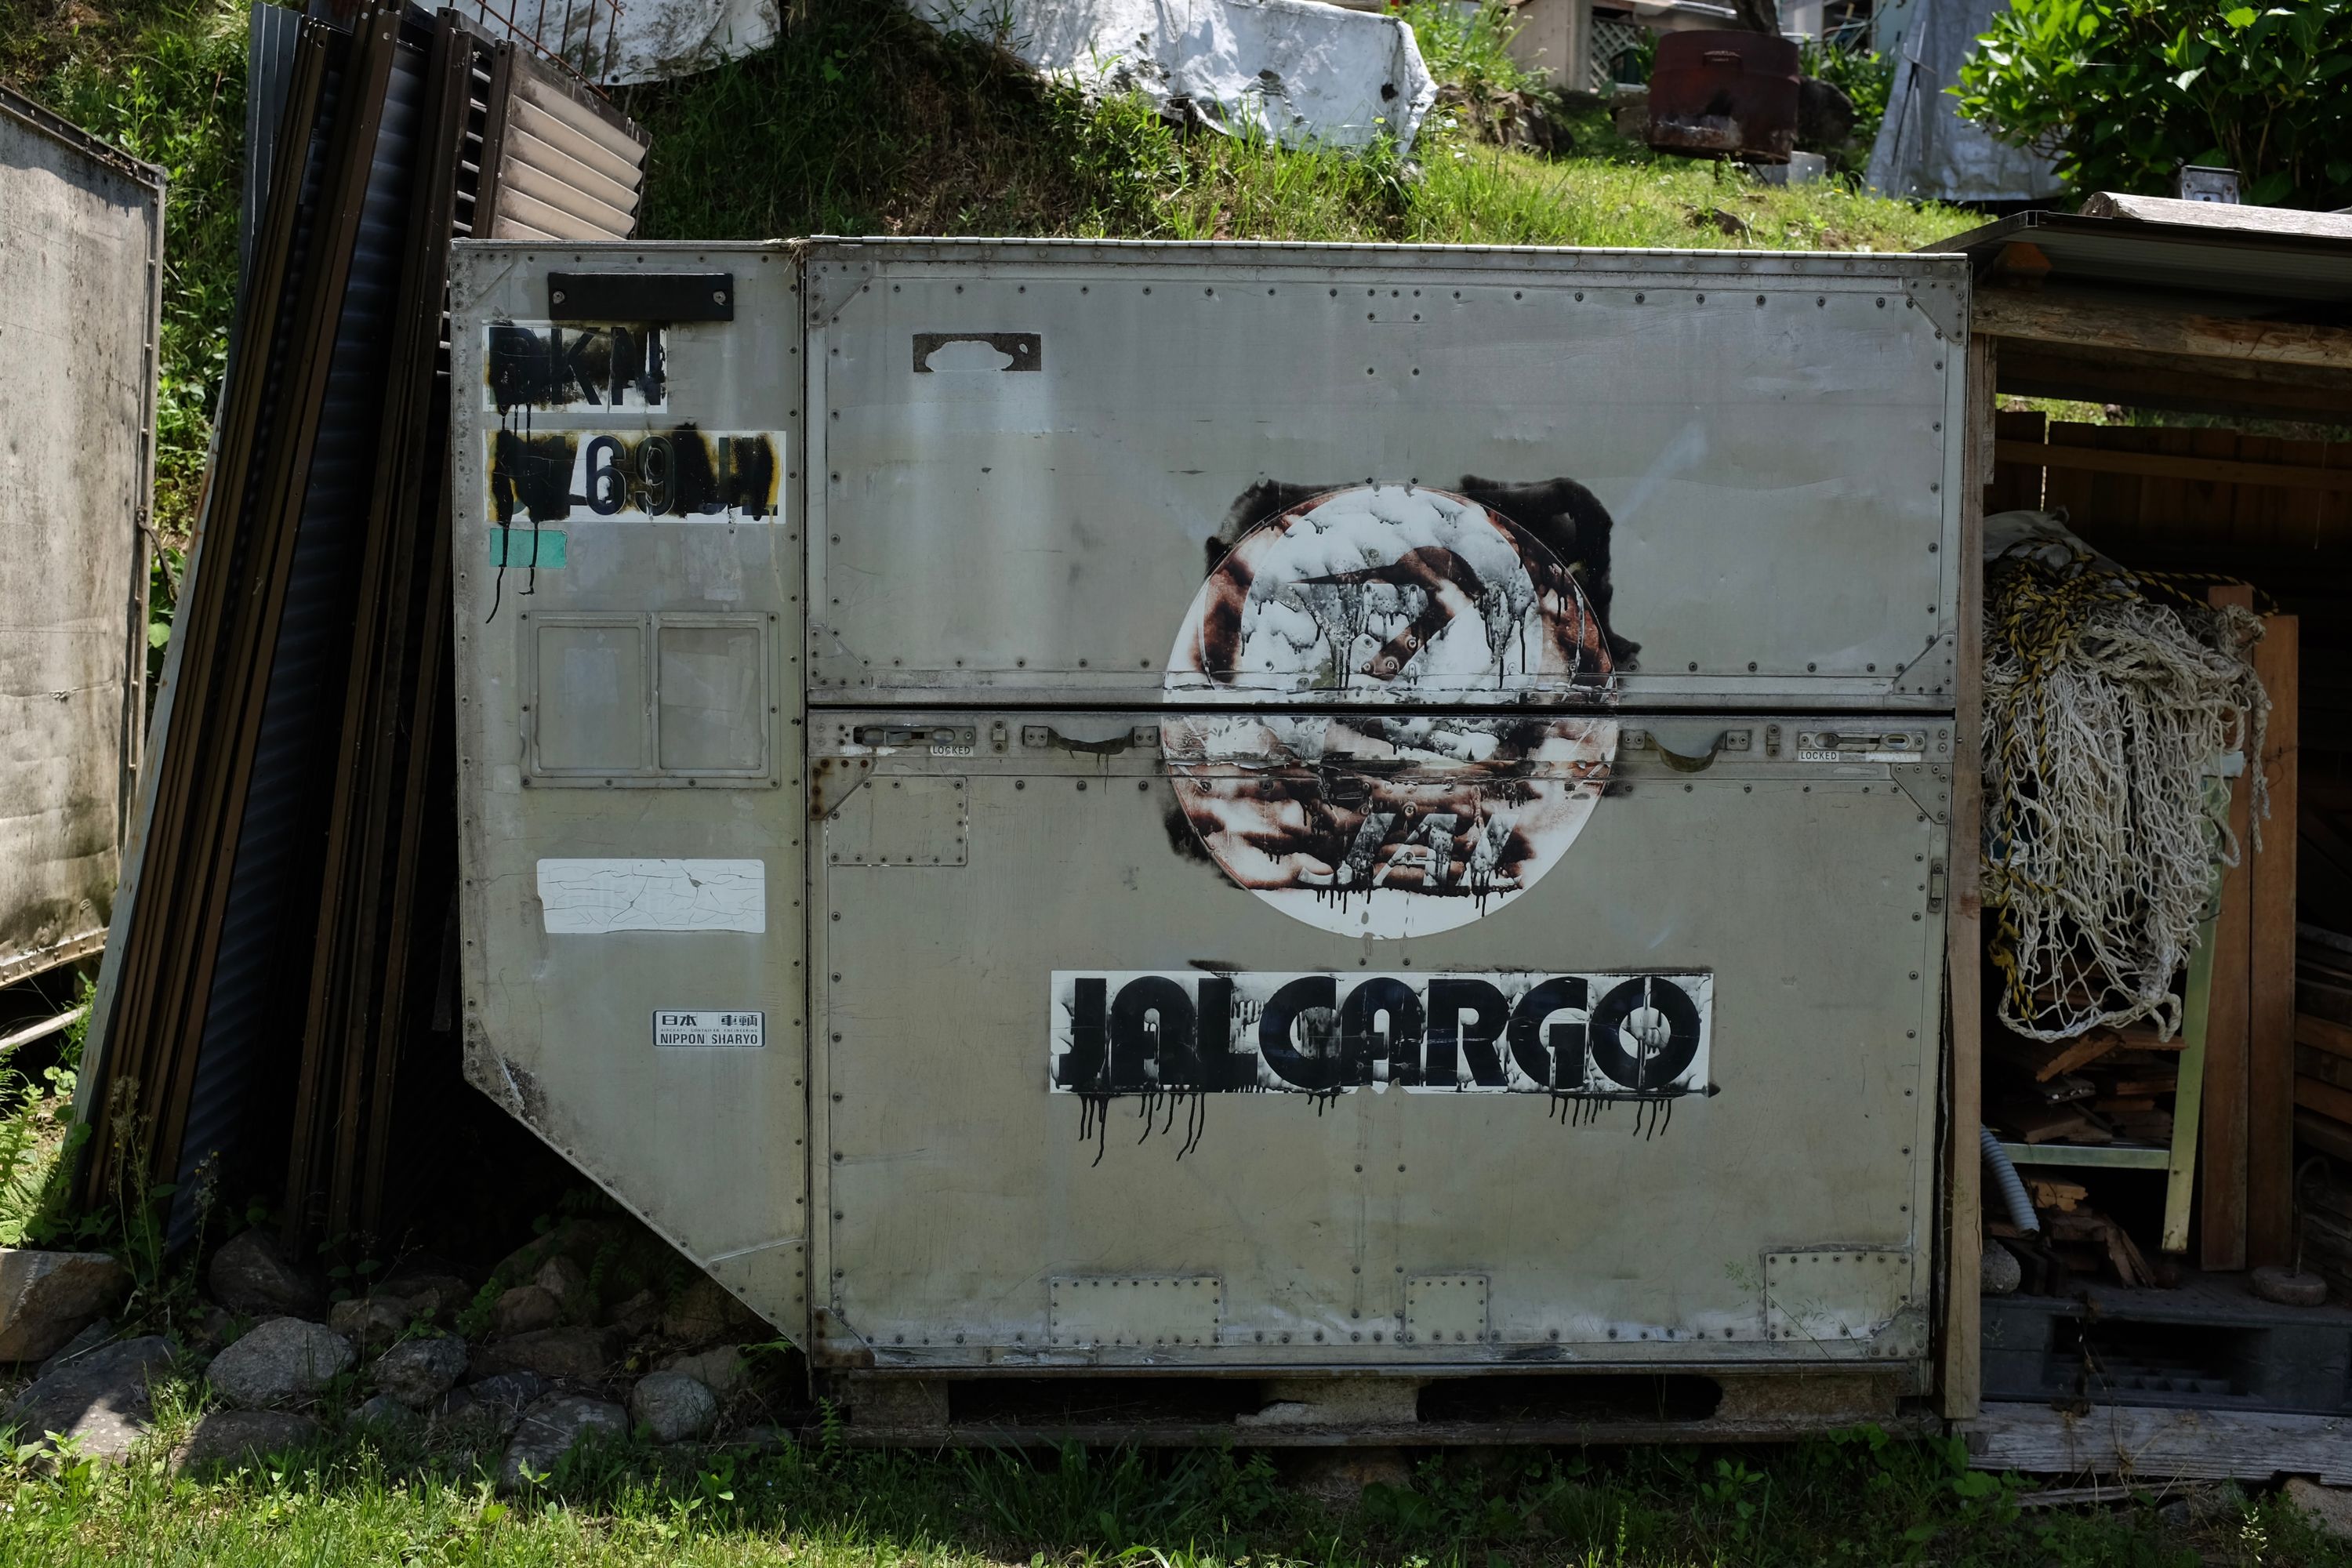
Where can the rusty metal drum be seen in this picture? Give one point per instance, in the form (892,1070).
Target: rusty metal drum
(1725,95)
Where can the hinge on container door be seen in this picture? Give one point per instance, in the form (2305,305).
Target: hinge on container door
(1935,886)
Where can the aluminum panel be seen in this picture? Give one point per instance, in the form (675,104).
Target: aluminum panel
(1032,453)
(666,645)
(1600,1210)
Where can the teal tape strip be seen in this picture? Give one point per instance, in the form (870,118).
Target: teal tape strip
(515,547)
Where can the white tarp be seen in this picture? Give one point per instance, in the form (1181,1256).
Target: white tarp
(1925,150)
(1298,71)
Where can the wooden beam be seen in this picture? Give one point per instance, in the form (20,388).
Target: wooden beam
(1964,931)
(2328,1101)
(2167,466)
(2270,1008)
(2051,314)
(2222,1238)
(2148,1444)
(2144,380)
(2323,1035)
(2228,216)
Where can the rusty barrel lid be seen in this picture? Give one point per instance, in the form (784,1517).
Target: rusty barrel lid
(1725,95)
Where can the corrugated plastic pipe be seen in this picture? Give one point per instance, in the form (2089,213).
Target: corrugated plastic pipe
(2012,1191)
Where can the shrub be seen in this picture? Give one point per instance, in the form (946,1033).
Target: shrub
(2121,91)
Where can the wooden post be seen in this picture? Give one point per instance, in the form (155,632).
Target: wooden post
(2222,1238)
(2270,1012)
(1964,942)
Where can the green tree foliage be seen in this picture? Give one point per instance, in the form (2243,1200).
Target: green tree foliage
(2120,91)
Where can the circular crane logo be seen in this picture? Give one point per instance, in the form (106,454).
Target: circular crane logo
(1421,790)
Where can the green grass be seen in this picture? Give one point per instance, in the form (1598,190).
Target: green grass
(164,80)
(1860,1499)
(860,120)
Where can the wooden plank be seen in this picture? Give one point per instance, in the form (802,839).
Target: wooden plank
(2323,1035)
(2172,466)
(2152,1444)
(2270,1006)
(2325,1099)
(1963,1347)
(2319,1132)
(2193,385)
(2221,1209)
(2228,216)
(2052,314)
(2188,1104)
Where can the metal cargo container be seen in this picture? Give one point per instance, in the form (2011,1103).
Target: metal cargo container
(1367,811)
(81,241)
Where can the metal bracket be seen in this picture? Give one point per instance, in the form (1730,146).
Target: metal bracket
(1930,785)
(1945,303)
(833,780)
(641,296)
(1828,1294)
(832,285)
(1931,672)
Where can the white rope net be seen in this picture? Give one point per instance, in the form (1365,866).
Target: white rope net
(2110,700)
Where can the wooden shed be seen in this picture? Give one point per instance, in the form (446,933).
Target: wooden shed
(2226,332)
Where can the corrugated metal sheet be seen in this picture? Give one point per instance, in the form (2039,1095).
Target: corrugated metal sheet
(255,1010)
(269,70)
(273,889)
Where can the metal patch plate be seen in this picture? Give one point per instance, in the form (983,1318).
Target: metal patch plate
(1445,1309)
(1152,1309)
(1823,1294)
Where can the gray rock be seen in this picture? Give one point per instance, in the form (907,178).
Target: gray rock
(280,1362)
(229,1437)
(2002,1274)
(674,1406)
(99,1398)
(634,1316)
(494,1406)
(47,1297)
(565,1280)
(418,1372)
(369,1321)
(579,1240)
(384,1411)
(551,1428)
(704,1312)
(2329,1509)
(724,1371)
(524,1308)
(561,1355)
(253,1276)
(89,1339)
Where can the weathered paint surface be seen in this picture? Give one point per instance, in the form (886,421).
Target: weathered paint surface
(80,235)
(1387,825)
(1392,594)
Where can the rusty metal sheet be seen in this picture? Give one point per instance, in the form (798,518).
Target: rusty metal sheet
(81,234)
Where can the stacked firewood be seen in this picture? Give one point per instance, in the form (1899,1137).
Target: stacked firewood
(2106,1086)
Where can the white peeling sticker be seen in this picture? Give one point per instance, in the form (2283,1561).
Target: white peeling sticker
(741,1029)
(589,898)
